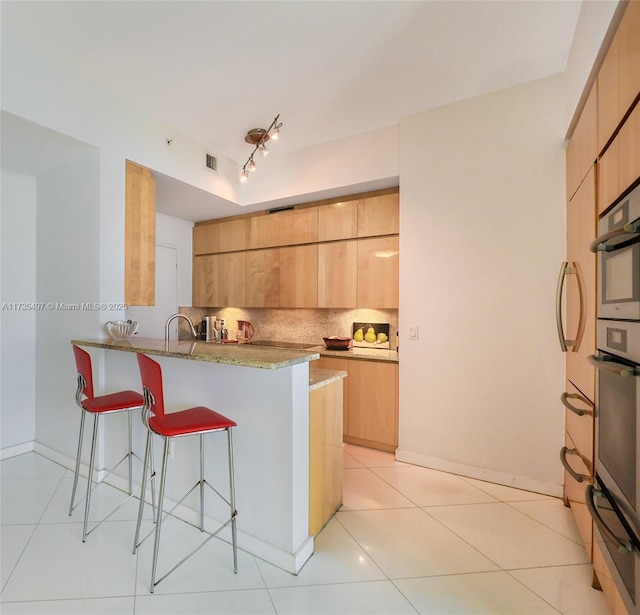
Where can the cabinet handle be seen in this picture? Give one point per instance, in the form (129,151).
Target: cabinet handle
(565,397)
(613,367)
(623,547)
(561,338)
(565,269)
(599,244)
(564,451)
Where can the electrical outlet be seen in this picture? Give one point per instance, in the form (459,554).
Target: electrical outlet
(413,332)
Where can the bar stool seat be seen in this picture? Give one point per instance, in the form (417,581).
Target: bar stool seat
(198,420)
(121,401)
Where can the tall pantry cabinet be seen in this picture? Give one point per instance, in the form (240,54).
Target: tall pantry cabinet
(603,164)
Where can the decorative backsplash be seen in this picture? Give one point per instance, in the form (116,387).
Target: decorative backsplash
(293,325)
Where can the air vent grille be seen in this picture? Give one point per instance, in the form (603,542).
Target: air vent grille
(211,162)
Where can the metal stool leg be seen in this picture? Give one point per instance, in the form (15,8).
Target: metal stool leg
(232,502)
(201,482)
(143,489)
(79,453)
(87,502)
(156,542)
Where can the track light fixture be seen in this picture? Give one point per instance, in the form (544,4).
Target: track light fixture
(258,137)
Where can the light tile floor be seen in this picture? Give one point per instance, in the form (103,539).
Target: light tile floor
(407,540)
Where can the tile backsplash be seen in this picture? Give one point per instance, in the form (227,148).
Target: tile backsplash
(293,325)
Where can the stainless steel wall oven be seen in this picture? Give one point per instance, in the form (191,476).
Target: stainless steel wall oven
(614,499)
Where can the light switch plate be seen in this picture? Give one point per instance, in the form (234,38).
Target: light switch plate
(413,332)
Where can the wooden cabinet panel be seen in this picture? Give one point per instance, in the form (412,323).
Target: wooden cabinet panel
(629,149)
(140,236)
(338,221)
(607,83)
(299,276)
(206,239)
(205,280)
(628,36)
(263,278)
(231,285)
(373,404)
(298,226)
(326,458)
(337,274)
(233,235)
(378,272)
(581,229)
(263,231)
(608,176)
(583,147)
(379,215)
(341,365)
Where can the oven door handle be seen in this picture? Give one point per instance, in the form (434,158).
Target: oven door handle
(613,367)
(623,547)
(579,411)
(564,451)
(599,244)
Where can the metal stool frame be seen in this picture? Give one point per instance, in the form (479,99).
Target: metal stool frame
(147,411)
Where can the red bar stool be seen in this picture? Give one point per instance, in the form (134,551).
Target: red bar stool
(189,422)
(122,401)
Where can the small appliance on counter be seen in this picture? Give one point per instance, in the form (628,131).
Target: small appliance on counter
(371,335)
(245,331)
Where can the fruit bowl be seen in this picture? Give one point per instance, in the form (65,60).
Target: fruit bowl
(335,342)
(121,329)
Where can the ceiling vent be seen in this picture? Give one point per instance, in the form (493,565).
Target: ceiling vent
(211,162)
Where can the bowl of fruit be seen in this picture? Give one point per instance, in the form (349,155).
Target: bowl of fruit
(336,342)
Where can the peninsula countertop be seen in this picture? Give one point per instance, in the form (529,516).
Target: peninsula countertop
(242,355)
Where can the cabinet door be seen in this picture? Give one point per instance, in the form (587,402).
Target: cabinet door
(583,147)
(379,215)
(298,226)
(233,235)
(231,285)
(341,365)
(581,230)
(299,276)
(609,176)
(608,114)
(206,239)
(338,221)
(263,231)
(373,404)
(263,278)
(629,149)
(337,274)
(140,236)
(629,57)
(378,272)
(205,280)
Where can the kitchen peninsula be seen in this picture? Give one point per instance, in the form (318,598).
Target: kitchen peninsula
(267,391)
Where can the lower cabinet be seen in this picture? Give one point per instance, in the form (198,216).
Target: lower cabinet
(370,404)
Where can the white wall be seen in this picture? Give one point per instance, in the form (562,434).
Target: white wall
(17,323)
(482,235)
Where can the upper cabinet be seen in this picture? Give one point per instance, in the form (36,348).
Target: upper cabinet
(582,150)
(379,215)
(140,236)
(335,254)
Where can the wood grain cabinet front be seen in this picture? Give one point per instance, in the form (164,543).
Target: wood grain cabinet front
(338,274)
(299,276)
(263,278)
(378,274)
(298,226)
(205,280)
(379,215)
(206,239)
(338,221)
(140,236)
(263,231)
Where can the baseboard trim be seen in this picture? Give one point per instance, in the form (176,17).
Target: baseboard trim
(17,449)
(500,478)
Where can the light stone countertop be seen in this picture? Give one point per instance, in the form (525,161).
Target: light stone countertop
(321,377)
(242,355)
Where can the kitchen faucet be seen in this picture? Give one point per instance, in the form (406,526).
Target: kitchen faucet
(173,317)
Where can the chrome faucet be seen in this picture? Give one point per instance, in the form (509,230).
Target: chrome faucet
(171,318)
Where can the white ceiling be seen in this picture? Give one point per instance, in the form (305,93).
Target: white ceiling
(331,69)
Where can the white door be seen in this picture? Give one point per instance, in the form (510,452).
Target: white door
(152,318)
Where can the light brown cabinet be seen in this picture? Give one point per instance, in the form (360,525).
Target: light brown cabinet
(379,215)
(378,271)
(370,404)
(205,280)
(338,274)
(582,150)
(298,226)
(231,278)
(263,278)
(232,235)
(338,221)
(140,236)
(299,276)
(206,239)
(263,231)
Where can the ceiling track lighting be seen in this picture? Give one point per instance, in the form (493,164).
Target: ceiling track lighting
(258,138)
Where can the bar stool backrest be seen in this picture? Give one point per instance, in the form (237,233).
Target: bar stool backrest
(83,366)
(151,376)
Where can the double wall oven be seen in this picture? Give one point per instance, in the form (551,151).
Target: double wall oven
(614,499)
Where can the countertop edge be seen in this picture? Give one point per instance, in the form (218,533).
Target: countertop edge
(322,377)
